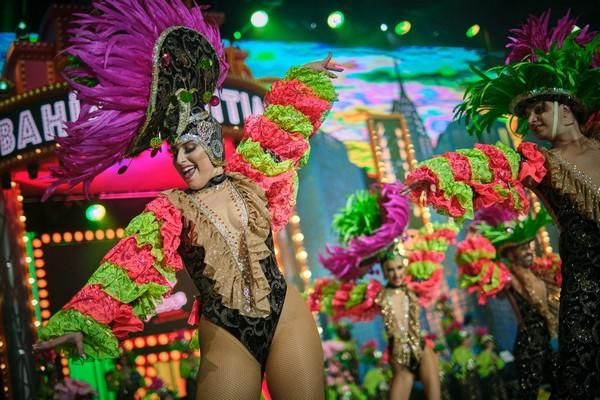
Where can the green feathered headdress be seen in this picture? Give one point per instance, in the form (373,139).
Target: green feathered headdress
(558,65)
(514,233)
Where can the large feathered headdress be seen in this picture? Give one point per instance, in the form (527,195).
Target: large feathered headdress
(144,71)
(558,64)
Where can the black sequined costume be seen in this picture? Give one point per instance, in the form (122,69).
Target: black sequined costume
(256,334)
(579,315)
(534,358)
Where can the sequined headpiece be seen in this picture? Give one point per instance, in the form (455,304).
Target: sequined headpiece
(144,71)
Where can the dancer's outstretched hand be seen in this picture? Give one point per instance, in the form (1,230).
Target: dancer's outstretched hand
(75,338)
(325,65)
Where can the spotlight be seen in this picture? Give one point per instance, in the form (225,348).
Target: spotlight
(21,31)
(335,20)
(259,19)
(473,31)
(32,170)
(237,35)
(95,212)
(383,27)
(402,27)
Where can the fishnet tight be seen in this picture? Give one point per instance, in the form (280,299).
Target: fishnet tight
(294,367)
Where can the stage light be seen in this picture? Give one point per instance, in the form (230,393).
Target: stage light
(237,35)
(335,20)
(22,25)
(473,31)
(259,19)
(402,27)
(383,27)
(95,212)
(4,86)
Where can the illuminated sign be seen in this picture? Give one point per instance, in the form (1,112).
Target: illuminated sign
(37,119)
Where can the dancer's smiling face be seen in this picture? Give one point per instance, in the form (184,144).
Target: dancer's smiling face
(193,164)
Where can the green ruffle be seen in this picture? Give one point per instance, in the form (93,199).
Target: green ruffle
(289,119)
(470,256)
(422,269)
(465,280)
(480,165)
(146,229)
(254,154)
(327,298)
(451,188)
(304,159)
(98,339)
(356,296)
(494,282)
(317,81)
(435,244)
(514,159)
(115,281)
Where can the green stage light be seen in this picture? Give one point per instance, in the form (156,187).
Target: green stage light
(22,25)
(402,27)
(237,35)
(3,86)
(383,27)
(335,20)
(95,212)
(259,19)
(473,31)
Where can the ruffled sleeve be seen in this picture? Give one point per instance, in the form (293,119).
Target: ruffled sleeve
(275,145)
(355,301)
(133,278)
(461,182)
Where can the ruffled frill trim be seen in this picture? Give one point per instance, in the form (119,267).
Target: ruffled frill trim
(345,300)
(427,290)
(570,182)
(279,190)
(549,265)
(297,94)
(98,340)
(254,154)
(272,138)
(94,302)
(478,272)
(289,119)
(317,81)
(220,265)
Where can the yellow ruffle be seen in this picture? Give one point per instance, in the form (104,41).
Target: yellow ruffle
(573,183)
(221,267)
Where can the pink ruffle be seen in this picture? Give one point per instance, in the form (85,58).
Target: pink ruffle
(497,162)
(169,217)
(426,255)
(279,190)
(427,291)
(91,300)
(297,94)
(138,262)
(287,146)
(461,168)
(194,317)
(532,163)
(488,194)
(364,311)
(424,179)
(476,242)
(442,233)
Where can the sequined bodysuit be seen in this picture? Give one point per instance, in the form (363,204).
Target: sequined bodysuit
(574,203)
(254,331)
(400,310)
